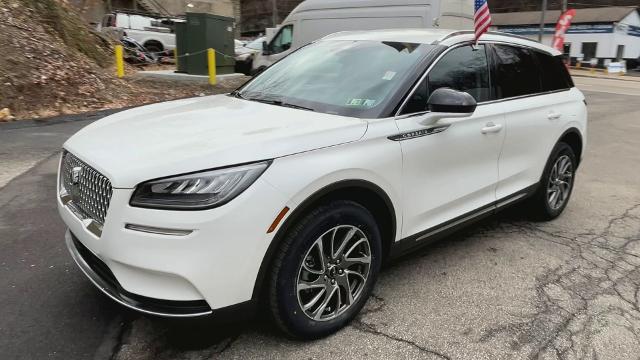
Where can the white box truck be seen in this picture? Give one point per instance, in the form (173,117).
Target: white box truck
(314,19)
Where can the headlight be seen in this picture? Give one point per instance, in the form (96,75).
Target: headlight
(197,191)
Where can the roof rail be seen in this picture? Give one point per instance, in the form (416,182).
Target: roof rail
(465,32)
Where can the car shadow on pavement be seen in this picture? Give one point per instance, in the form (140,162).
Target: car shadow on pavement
(513,214)
(196,334)
(211,336)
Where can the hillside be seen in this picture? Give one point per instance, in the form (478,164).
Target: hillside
(53,63)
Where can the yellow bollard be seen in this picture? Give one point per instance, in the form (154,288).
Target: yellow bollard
(175,56)
(211,61)
(120,61)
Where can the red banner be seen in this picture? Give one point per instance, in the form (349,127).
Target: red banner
(561,28)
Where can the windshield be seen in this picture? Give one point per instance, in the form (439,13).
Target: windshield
(256,44)
(350,78)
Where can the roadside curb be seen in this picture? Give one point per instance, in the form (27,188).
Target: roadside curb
(172,76)
(59,119)
(606,77)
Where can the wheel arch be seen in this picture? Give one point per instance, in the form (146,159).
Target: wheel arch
(573,138)
(364,192)
(157,42)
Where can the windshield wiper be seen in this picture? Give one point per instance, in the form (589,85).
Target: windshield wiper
(237,94)
(277,103)
(295,106)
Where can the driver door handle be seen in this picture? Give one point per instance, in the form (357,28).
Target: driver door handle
(554,116)
(490,128)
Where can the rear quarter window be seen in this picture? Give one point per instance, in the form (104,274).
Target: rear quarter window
(553,72)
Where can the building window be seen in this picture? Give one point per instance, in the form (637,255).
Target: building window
(620,53)
(589,50)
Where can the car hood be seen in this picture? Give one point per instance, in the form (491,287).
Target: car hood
(203,133)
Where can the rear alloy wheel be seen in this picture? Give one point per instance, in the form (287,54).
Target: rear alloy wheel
(556,184)
(560,182)
(325,270)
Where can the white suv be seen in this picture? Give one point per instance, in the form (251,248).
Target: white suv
(297,187)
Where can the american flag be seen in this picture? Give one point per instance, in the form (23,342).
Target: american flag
(481,18)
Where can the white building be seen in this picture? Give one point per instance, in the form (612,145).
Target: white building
(606,34)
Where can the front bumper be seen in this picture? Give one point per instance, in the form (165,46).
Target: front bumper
(205,272)
(102,277)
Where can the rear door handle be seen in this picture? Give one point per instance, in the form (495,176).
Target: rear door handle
(491,128)
(554,116)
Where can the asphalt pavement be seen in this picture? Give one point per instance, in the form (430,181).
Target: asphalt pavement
(507,288)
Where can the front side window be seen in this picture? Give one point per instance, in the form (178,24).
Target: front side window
(343,77)
(463,68)
(517,72)
(282,41)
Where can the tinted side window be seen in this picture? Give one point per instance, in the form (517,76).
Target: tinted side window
(463,69)
(516,73)
(554,72)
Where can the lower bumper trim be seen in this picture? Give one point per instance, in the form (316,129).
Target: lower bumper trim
(100,275)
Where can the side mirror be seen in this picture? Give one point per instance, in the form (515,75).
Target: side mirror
(449,103)
(265,48)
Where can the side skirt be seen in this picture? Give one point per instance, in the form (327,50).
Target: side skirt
(429,236)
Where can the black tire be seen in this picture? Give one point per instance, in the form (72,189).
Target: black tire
(154,47)
(539,205)
(286,269)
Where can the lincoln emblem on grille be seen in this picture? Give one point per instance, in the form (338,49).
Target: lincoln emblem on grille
(75,174)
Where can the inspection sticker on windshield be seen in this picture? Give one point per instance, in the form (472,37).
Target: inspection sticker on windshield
(389,75)
(361,102)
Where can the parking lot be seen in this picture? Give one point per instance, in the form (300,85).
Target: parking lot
(506,288)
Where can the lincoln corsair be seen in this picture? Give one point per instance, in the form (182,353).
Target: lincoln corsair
(293,190)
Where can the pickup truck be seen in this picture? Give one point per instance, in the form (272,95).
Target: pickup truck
(156,34)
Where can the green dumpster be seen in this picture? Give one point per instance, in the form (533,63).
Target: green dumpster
(201,32)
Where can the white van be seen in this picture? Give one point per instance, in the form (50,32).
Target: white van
(314,19)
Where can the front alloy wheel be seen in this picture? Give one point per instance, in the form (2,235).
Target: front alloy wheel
(325,269)
(334,272)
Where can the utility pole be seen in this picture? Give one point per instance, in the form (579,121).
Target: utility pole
(542,16)
(564,6)
(274,10)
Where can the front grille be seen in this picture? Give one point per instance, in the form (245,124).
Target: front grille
(90,191)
